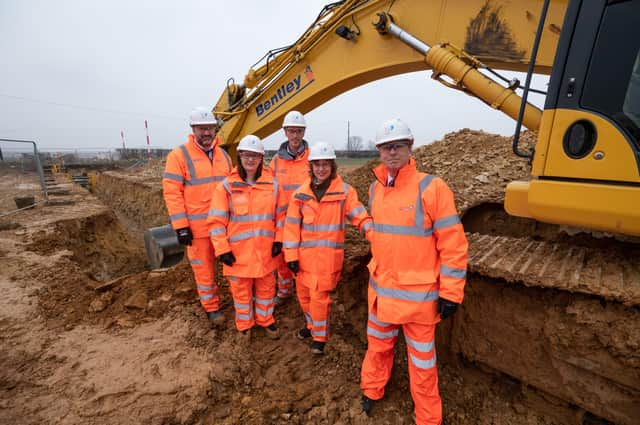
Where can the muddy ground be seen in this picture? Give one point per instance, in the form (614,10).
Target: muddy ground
(90,335)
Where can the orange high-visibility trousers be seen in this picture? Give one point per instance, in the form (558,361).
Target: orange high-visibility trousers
(315,306)
(286,281)
(201,257)
(252,310)
(421,356)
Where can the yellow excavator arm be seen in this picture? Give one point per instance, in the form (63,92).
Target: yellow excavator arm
(586,167)
(322,64)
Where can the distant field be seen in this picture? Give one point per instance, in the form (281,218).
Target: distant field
(350,164)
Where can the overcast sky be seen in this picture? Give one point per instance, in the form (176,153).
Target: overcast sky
(77,73)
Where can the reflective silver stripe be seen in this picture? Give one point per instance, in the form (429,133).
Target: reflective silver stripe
(371,192)
(244,316)
(196,217)
(302,196)
(419,218)
(187,158)
(234,278)
(318,333)
(251,234)
(254,217)
(322,227)
(283,291)
(282,208)
(242,306)
(204,180)
(226,156)
(423,364)
(451,272)
(401,294)
(175,177)
(218,231)
(225,184)
(381,335)
(196,262)
(293,220)
(441,223)
(205,288)
(178,216)
(279,223)
(218,213)
(368,225)
(374,319)
(292,245)
(264,313)
(290,186)
(262,301)
(207,296)
(307,317)
(319,323)
(284,281)
(357,210)
(423,347)
(240,184)
(402,230)
(322,243)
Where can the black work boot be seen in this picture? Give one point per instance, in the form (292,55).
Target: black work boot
(216,318)
(303,333)
(367,404)
(317,347)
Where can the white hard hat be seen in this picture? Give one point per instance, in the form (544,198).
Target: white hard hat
(294,119)
(321,150)
(391,130)
(202,116)
(251,143)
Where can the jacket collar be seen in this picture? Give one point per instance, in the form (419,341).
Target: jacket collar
(408,170)
(333,193)
(192,140)
(283,151)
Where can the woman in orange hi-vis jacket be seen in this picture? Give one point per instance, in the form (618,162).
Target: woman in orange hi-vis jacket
(417,271)
(313,239)
(245,223)
(192,171)
(290,166)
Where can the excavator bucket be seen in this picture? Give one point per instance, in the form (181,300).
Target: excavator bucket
(163,249)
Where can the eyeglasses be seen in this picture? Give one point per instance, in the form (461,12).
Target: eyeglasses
(204,128)
(250,155)
(294,130)
(388,147)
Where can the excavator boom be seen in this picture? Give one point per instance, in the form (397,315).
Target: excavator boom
(322,64)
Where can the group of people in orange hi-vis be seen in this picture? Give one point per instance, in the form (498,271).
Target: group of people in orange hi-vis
(281,228)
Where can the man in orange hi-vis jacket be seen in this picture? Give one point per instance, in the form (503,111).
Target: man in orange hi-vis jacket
(417,271)
(313,239)
(192,171)
(290,166)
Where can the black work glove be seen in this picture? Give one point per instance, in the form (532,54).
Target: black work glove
(294,266)
(446,308)
(185,237)
(276,249)
(228,258)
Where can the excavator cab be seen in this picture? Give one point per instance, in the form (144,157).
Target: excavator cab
(586,167)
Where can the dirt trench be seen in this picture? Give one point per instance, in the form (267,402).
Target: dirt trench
(90,336)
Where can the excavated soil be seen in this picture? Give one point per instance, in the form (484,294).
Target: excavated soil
(91,336)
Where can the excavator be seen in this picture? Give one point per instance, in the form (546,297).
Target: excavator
(585,168)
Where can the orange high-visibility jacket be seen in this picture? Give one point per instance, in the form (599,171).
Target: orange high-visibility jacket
(418,244)
(314,231)
(246,219)
(188,182)
(290,173)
